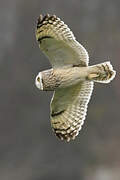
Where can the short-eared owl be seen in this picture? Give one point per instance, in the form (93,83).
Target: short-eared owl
(70,78)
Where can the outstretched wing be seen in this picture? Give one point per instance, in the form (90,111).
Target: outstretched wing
(59,44)
(68,109)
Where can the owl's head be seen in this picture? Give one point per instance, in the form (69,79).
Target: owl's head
(38,81)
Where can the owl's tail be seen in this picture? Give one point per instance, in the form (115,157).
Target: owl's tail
(102,73)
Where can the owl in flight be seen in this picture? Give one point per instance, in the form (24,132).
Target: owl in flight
(70,78)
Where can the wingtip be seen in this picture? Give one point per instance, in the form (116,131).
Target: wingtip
(40,18)
(47,15)
(54,16)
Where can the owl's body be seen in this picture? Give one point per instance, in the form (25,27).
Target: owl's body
(61,78)
(71,78)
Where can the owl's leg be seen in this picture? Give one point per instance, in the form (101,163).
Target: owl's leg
(91,76)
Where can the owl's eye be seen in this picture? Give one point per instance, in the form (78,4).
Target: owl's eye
(38,79)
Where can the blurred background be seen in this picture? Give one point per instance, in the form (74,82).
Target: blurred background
(28,148)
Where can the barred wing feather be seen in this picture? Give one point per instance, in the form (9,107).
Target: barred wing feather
(58,43)
(69,108)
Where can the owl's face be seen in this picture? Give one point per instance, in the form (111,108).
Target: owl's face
(38,81)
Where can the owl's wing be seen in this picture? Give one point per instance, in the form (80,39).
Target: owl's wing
(69,108)
(59,44)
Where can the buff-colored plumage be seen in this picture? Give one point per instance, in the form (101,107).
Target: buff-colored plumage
(71,78)
(72,102)
(59,43)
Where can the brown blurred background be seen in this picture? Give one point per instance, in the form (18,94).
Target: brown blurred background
(28,148)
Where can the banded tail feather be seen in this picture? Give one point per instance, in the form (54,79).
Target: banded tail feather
(102,73)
